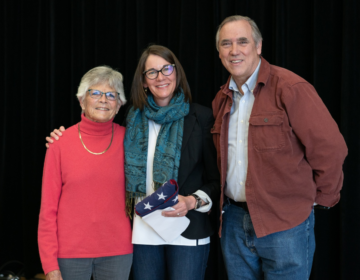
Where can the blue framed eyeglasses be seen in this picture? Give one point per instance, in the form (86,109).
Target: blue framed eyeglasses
(96,94)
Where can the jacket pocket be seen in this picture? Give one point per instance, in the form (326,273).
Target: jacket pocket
(267,132)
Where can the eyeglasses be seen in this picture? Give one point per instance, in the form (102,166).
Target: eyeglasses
(167,70)
(97,94)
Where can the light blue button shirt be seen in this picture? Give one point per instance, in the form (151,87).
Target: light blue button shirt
(238,137)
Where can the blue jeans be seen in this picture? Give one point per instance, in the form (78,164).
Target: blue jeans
(116,267)
(154,262)
(282,255)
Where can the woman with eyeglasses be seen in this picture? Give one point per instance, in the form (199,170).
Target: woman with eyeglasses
(168,137)
(83,226)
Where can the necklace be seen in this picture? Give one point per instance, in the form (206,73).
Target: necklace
(112,135)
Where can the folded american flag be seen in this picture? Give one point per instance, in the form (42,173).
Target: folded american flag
(163,197)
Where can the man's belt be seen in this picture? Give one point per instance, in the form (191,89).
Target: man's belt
(243,205)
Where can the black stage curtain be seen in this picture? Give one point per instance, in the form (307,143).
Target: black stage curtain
(46,47)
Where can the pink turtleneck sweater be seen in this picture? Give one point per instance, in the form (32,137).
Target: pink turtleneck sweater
(83,196)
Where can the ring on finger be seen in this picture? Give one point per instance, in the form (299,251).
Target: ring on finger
(178,214)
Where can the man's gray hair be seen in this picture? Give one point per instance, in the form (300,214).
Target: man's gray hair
(256,34)
(102,75)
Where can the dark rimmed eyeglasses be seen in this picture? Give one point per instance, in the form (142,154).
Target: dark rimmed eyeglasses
(167,70)
(96,94)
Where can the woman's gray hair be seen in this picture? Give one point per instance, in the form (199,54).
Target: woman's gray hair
(102,74)
(256,34)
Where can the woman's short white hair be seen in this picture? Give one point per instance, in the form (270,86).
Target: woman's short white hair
(102,75)
(256,34)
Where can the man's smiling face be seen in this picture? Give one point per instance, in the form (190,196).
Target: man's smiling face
(237,50)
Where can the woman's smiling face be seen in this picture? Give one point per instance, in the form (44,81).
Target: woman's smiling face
(100,110)
(162,87)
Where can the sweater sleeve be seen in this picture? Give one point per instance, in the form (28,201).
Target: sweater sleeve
(325,148)
(51,192)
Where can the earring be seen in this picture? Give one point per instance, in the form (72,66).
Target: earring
(146,89)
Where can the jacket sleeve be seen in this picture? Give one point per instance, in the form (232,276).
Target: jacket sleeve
(216,129)
(212,175)
(325,148)
(51,191)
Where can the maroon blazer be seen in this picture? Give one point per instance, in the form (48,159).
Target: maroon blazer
(295,150)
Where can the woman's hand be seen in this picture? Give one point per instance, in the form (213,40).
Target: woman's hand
(54,275)
(185,204)
(54,135)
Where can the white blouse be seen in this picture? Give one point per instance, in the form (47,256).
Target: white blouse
(142,232)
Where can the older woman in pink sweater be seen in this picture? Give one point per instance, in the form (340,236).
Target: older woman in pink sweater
(83,227)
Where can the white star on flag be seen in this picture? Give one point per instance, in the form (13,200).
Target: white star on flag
(161,196)
(148,206)
(175,199)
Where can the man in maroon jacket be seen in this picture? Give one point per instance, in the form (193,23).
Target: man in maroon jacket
(279,152)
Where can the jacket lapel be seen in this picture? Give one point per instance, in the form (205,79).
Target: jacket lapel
(189,122)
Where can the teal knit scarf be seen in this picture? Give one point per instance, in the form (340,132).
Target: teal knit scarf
(168,146)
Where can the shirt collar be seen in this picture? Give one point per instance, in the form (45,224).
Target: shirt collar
(250,83)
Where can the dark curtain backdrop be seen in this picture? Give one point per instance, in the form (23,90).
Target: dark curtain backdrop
(46,46)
